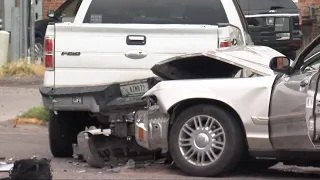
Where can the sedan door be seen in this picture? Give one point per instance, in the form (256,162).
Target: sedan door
(289,115)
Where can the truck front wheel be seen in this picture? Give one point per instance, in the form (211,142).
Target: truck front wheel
(206,141)
(63,130)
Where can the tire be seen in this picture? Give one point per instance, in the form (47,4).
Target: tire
(228,157)
(38,48)
(63,133)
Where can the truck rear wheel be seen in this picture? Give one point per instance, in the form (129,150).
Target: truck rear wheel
(206,141)
(63,131)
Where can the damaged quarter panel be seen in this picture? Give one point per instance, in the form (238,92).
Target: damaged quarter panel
(249,97)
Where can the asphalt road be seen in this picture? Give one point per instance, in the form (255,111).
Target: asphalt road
(27,141)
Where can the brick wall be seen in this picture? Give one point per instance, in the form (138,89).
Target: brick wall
(50,5)
(303,5)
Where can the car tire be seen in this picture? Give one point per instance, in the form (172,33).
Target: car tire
(62,133)
(220,161)
(38,47)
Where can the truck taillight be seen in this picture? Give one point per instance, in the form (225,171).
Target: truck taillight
(224,44)
(48,54)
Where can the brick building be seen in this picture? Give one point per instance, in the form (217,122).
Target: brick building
(50,5)
(305,7)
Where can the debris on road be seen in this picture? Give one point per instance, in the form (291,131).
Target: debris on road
(114,170)
(5,167)
(130,164)
(161,161)
(11,160)
(81,171)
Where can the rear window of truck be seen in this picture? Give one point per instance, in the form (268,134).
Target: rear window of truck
(266,4)
(208,12)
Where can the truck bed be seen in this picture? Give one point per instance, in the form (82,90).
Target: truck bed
(95,54)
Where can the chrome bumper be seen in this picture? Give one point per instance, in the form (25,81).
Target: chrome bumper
(151,129)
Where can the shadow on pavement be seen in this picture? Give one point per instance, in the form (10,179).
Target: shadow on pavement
(279,174)
(286,173)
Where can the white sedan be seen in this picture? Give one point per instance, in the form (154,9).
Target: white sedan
(216,108)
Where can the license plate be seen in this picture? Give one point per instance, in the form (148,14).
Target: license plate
(77,100)
(134,88)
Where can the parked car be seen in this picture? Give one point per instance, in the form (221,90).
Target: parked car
(115,41)
(67,10)
(274,23)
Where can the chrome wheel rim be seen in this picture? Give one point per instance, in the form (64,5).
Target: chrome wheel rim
(202,140)
(38,50)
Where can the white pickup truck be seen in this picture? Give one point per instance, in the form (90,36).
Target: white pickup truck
(113,41)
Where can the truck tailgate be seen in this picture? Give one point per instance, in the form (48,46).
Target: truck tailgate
(108,53)
(280,28)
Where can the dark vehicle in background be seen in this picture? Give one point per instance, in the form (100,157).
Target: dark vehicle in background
(274,23)
(65,12)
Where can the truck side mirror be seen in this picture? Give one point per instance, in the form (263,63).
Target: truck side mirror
(280,64)
(51,14)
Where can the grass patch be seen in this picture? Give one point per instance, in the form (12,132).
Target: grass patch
(38,113)
(35,115)
(20,69)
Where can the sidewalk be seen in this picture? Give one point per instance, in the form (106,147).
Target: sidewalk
(18,95)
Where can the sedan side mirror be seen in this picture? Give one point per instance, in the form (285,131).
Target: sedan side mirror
(280,64)
(51,14)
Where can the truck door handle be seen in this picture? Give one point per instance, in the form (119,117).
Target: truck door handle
(136,40)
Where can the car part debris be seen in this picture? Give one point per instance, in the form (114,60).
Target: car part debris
(130,164)
(5,167)
(105,132)
(86,149)
(99,149)
(81,171)
(114,170)
(11,160)
(161,161)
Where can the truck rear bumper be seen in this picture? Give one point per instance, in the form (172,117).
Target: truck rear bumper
(89,104)
(284,46)
(74,98)
(96,99)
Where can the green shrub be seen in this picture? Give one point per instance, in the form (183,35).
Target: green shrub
(38,113)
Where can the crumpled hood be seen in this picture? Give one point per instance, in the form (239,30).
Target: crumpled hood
(219,63)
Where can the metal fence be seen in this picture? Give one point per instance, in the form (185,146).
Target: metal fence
(18,18)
